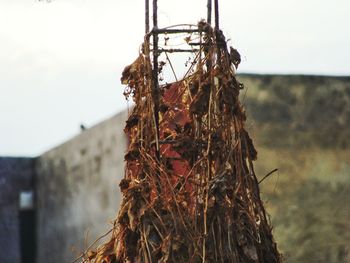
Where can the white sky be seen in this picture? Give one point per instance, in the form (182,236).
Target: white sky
(60,62)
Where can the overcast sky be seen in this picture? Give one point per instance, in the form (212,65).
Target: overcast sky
(60,61)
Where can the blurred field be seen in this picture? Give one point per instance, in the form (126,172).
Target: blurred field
(301,125)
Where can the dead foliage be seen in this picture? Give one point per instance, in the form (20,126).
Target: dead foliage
(200,201)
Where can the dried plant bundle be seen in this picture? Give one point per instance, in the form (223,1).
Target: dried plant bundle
(190,193)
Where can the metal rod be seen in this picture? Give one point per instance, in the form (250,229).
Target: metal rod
(155,82)
(155,14)
(175,31)
(199,44)
(147,16)
(209,11)
(216,2)
(177,50)
(218,35)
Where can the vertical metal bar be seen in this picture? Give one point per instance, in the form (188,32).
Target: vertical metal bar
(209,11)
(155,14)
(147,16)
(155,87)
(216,2)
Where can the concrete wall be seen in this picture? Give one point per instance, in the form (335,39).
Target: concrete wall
(298,111)
(16,175)
(77,190)
(301,125)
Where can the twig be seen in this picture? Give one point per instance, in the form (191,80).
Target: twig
(273,171)
(171,66)
(88,248)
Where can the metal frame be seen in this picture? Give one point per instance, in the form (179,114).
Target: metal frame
(155,17)
(155,32)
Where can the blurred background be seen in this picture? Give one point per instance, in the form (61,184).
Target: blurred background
(62,113)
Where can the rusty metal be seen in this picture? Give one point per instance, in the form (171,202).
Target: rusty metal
(209,4)
(198,44)
(146,16)
(178,50)
(216,3)
(175,31)
(155,81)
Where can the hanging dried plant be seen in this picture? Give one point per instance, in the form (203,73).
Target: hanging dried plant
(199,200)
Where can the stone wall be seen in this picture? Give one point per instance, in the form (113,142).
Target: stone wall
(301,126)
(298,111)
(77,190)
(16,175)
